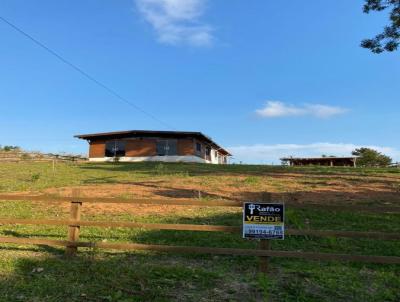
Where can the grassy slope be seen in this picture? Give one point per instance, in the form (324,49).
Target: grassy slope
(104,276)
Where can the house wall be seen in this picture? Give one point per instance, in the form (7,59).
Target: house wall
(186,147)
(146,150)
(97,149)
(214,156)
(140,147)
(169,158)
(219,159)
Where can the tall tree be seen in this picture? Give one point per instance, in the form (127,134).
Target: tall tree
(389,39)
(371,158)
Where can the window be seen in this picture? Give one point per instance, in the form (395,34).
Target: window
(208,151)
(198,147)
(167,147)
(115,149)
(216,154)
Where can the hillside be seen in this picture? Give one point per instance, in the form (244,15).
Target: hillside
(145,276)
(16,155)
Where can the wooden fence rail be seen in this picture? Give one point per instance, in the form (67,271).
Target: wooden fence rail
(12,156)
(197,227)
(264,251)
(205,250)
(200,202)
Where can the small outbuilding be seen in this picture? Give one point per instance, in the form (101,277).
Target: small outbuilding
(331,161)
(147,145)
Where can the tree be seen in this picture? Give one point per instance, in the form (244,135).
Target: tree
(389,39)
(9,148)
(371,158)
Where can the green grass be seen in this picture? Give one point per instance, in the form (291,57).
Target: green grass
(38,176)
(38,273)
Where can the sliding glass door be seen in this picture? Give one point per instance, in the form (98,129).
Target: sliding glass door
(167,147)
(115,149)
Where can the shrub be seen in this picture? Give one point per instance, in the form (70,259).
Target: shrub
(35,177)
(25,156)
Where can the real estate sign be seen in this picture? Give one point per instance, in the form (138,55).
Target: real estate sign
(263,220)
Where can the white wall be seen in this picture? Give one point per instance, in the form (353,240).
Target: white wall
(169,158)
(214,159)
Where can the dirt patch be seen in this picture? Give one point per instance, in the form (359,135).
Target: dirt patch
(332,189)
(151,190)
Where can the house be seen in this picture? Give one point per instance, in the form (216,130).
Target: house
(145,145)
(321,161)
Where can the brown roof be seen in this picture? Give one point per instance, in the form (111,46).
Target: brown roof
(152,133)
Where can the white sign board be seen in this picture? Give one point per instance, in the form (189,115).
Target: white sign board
(263,220)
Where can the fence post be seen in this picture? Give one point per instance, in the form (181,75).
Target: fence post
(54,166)
(264,244)
(73,230)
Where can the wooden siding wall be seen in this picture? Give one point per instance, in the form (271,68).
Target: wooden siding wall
(147,147)
(186,147)
(97,149)
(141,147)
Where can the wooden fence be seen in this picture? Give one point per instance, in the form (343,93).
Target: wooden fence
(13,156)
(264,252)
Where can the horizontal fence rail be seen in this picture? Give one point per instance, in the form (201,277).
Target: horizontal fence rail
(206,250)
(198,202)
(264,251)
(199,227)
(38,160)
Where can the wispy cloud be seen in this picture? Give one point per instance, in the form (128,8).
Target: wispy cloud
(261,153)
(274,109)
(177,21)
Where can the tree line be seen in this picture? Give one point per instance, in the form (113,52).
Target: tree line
(9,148)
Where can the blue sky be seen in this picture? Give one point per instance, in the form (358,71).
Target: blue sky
(263,78)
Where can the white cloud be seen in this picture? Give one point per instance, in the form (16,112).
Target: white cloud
(272,153)
(279,109)
(177,21)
